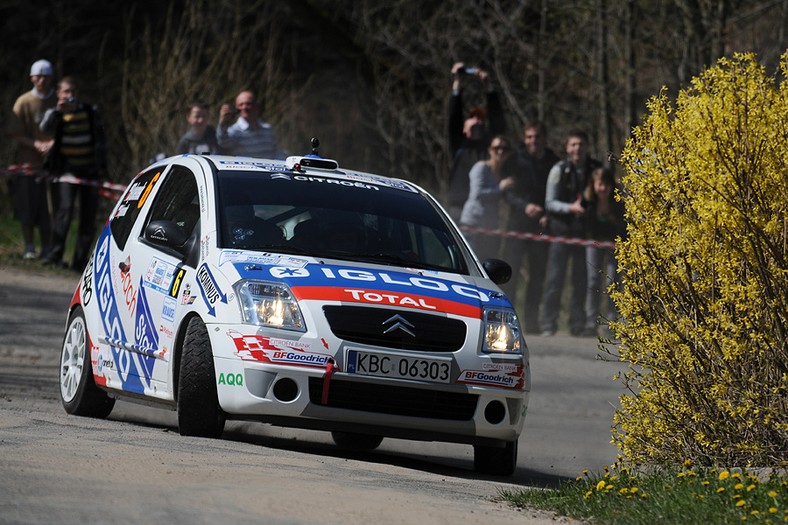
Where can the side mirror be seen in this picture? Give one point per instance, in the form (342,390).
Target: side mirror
(499,271)
(166,234)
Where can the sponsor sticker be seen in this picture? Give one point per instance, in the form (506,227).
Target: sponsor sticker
(514,379)
(209,288)
(276,350)
(159,275)
(145,334)
(168,309)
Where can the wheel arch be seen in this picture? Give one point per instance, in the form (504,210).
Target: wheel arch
(177,351)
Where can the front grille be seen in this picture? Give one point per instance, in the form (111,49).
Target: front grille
(395,400)
(431,333)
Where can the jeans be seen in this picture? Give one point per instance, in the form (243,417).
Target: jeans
(560,256)
(88,208)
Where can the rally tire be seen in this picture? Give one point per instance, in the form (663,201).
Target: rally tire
(199,413)
(78,391)
(497,461)
(358,442)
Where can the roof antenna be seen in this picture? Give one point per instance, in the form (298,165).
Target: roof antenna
(315,144)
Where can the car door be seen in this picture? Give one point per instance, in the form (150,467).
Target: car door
(157,273)
(117,365)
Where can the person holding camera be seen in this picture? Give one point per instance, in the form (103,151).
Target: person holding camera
(78,149)
(469,135)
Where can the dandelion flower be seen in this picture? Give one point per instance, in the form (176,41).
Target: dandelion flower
(772,493)
(772,510)
(741,503)
(739,486)
(601,484)
(750,488)
(720,489)
(724,475)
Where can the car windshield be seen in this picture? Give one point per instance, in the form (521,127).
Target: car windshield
(342,219)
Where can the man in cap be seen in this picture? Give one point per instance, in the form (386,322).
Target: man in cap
(30,199)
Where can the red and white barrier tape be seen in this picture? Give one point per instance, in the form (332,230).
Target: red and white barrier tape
(540,237)
(106,189)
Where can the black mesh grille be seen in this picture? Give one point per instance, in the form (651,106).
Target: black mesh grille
(432,333)
(395,400)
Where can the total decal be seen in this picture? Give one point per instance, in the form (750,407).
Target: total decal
(501,375)
(114,334)
(409,290)
(275,350)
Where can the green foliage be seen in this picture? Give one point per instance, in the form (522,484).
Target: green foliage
(705,298)
(621,496)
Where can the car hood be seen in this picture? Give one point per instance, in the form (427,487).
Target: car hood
(333,280)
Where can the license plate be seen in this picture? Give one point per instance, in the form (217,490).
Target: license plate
(398,366)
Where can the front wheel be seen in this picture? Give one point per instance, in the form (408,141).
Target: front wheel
(199,413)
(497,461)
(78,391)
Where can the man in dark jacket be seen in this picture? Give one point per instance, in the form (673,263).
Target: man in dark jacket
(79,150)
(527,214)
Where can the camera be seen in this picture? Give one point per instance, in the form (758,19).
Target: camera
(71,100)
(469,70)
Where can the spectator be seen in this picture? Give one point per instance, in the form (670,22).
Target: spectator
(566,218)
(30,192)
(79,149)
(527,214)
(201,137)
(605,222)
(249,135)
(489,179)
(469,137)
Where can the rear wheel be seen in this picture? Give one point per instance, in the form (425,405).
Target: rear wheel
(498,461)
(198,403)
(353,441)
(78,391)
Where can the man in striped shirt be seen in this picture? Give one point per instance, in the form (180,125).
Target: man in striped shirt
(249,136)
(78,150)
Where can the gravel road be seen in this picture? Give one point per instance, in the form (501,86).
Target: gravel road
(134,467)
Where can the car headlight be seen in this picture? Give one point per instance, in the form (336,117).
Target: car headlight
(501,331)
(269,304)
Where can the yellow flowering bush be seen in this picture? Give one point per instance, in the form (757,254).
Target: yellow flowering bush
(704,301)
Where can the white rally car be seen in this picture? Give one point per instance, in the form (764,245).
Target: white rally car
(298,294)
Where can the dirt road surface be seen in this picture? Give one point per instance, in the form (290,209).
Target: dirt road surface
(134,467)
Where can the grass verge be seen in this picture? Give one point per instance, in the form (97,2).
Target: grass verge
(619,496)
